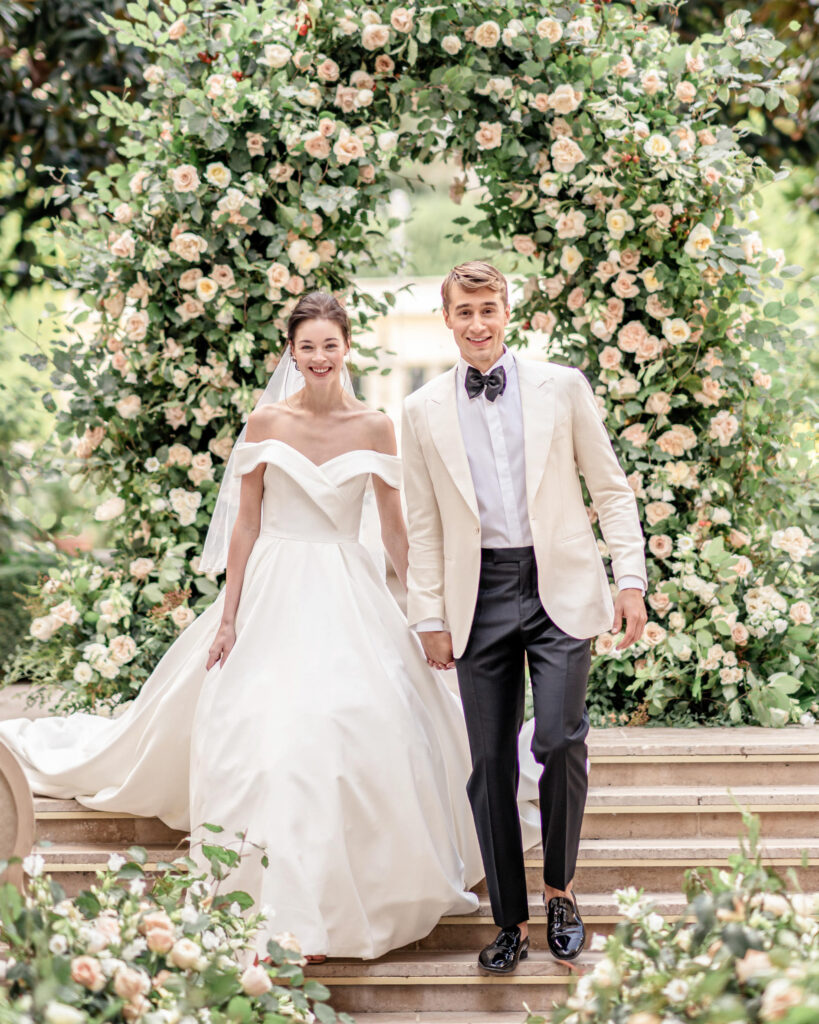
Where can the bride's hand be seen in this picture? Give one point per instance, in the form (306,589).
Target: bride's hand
(221,646)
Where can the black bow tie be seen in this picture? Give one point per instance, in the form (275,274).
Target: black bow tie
(493,383)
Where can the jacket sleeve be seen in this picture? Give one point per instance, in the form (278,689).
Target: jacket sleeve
(425,576)
(613,498)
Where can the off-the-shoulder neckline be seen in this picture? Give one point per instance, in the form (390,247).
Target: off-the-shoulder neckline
(321,465)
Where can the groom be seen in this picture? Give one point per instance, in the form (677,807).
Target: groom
(503,564)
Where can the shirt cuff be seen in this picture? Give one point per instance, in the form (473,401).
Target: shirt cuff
(429,626)
(631,583)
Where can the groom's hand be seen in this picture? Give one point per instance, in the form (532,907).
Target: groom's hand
(437,646)
(629,604)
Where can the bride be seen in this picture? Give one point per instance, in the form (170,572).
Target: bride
(298,707)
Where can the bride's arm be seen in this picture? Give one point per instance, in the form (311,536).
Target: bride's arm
(242,539)
(388,499)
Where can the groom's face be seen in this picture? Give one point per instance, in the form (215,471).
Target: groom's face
(478,320)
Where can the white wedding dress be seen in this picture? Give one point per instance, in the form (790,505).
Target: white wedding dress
(325,735)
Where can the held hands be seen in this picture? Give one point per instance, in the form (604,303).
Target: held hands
(629,603)
(437,646)
(221,646)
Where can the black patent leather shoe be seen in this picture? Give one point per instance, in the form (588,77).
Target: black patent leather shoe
(502,955)
(565,932)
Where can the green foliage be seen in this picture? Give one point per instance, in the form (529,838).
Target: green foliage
(743,950)
(257,163)
(122,950)
(52,57)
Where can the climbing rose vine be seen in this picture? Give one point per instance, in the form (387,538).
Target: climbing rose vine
(256,166)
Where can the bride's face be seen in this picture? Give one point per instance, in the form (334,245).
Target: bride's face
(319,348)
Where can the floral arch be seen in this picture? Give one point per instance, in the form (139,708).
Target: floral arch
(251,169)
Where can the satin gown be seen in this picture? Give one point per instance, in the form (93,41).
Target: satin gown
(325,736)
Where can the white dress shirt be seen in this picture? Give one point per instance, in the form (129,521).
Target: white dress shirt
(493,437)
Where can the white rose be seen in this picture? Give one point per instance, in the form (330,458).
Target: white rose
(177,30)
(206,288)
(657,145)
(565,99)
(109,509)
(451,45)
(255,980)
(60,1013)
(699,241)
(217,174)
(44,627)
(401,19)
(83,673)
(185,953)
(275,56)
(570,259)
(618,223)
(387,141)
(123,246)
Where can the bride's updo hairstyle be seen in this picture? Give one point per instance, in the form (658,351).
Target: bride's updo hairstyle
(318,306)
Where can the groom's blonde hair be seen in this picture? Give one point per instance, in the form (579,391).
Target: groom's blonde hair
(471,277)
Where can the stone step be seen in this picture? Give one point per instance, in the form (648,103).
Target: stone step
(659,865)
(67,821)
(444,1017)
(737,757)
(600,913)
(74,865)
(429,982)
(649,812)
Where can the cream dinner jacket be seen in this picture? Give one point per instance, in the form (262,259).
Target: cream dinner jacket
(563,434)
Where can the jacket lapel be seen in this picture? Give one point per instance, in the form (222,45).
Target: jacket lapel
(537,404)
(445,428)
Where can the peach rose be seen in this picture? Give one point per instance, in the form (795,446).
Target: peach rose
(576,299)
(328,70)
(571,224)
(123,246)
(565,99)
(685,92)
(544,322)
(373,37)
(660,545)
(723,427)
(86,971)
(678,440)
(566,155)
(654,634)
(190,278)
(487,34)
(553,286)
(185,178)
(401,19)
(656,307)
(658,403)
(648,348)
(549,28)
(624,286)
(740,634)
(317,146)
(660,602)
(800,613)
(636,434)
(255,143)
(348,147)
(657,511)
(130,983)
(631,335)
(610,358)
(488,136)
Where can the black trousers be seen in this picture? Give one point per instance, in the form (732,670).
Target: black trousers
(510,623)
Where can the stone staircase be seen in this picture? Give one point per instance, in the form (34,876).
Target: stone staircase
(661,801)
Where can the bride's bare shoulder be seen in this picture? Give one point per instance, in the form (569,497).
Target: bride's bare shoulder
(263,422)
(380,431)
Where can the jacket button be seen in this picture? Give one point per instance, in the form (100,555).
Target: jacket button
(477,529)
